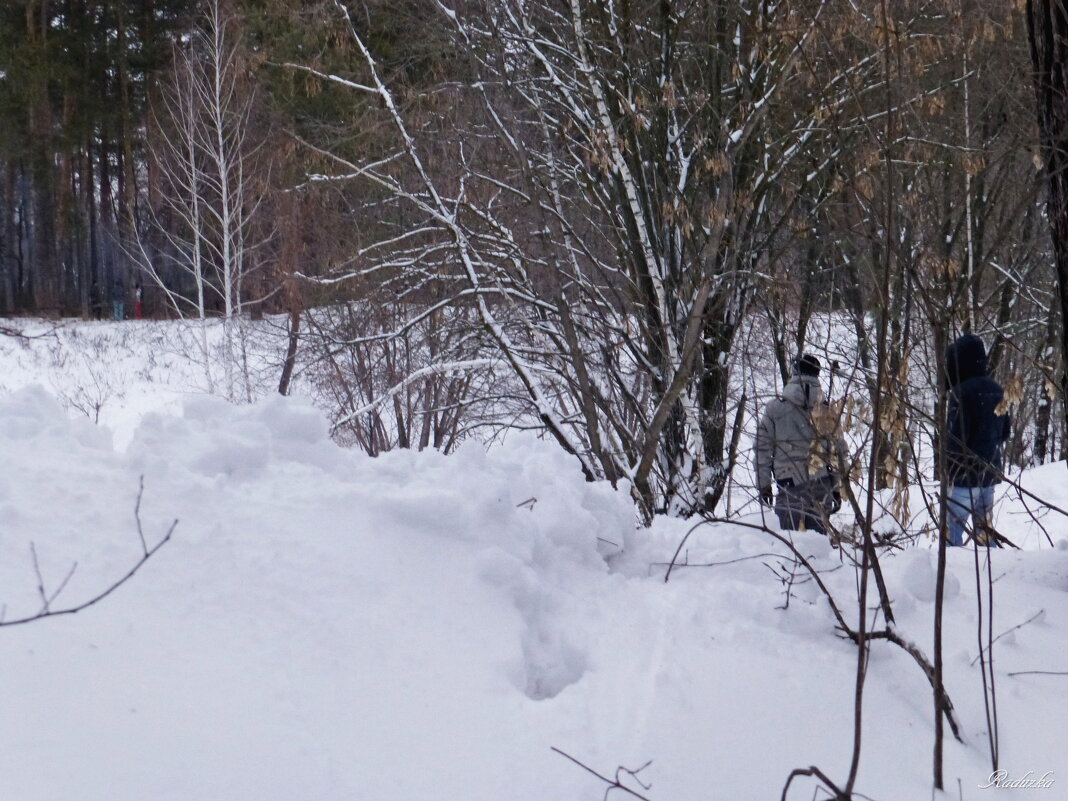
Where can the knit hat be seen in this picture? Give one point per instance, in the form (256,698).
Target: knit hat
(806,364)
(966,358)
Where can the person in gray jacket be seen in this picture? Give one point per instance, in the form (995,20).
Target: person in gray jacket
(798,445)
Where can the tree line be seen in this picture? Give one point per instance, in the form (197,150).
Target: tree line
(76,82)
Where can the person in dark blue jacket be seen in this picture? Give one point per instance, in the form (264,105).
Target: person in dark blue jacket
(974,435)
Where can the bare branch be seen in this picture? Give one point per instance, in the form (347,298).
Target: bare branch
(47,599)
(613,784)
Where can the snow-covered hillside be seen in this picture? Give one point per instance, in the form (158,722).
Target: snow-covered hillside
(326,626)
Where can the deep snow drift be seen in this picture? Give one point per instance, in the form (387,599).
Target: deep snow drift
(328,626)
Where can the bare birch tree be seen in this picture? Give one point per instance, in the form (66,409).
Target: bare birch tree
(214,182)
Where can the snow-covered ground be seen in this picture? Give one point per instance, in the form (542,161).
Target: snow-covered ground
(416,627)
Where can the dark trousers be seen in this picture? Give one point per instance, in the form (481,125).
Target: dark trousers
(802,506)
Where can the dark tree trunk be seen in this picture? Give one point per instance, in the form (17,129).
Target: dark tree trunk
(1043,447)
(8,236)
(292,342)
(1042,421)
(714,386)
(809,290)
(1047,30)
(42,173)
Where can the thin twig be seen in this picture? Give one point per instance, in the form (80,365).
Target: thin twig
(46,599)
(839,795)
(62,584)
(995,735)
(1039,673)
(612,784)
(1031,619)
(15,333)
(634,774)
(912,650)
(720,564)
(137,514)
(40,579)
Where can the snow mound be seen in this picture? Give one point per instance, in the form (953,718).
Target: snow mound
(31,415)
(309,591)
(919,577)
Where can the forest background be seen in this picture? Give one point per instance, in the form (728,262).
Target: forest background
(576,217)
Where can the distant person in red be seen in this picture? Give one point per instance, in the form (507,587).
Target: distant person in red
(137,302)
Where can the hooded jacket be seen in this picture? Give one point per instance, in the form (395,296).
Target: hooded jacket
(975,432)
(789,444)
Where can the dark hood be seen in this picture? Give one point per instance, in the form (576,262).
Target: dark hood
(965,358)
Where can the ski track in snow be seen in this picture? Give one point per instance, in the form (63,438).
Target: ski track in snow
(328,626)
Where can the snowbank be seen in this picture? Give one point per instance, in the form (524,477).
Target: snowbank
(323,625)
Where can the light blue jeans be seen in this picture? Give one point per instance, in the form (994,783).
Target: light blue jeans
(964,501)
